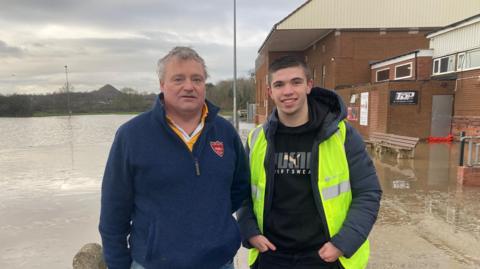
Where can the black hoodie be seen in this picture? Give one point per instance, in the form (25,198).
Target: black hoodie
(293,223)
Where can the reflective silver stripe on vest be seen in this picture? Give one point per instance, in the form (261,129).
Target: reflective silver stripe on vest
(254,192)
(336,190)
(253,139)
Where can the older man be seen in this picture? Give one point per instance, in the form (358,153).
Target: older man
(174,177)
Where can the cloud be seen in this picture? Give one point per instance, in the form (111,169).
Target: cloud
(119,42)
(8,51)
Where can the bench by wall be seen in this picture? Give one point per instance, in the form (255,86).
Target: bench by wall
(402,146)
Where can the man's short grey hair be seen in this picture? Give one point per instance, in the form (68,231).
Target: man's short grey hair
(182,53)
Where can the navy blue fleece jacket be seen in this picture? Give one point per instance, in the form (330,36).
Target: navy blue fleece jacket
(173,206)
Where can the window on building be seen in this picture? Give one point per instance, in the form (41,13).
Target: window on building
(460,61)
(383,74)
(472,59)
(444,65)
(436,65)
(403,71)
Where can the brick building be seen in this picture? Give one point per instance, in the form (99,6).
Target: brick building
(340,39)
(401,98)
(456,56)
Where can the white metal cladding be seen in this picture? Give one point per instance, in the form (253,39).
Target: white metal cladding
(457,40)
(337,14)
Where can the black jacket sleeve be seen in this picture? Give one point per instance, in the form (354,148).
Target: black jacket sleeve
(366,195)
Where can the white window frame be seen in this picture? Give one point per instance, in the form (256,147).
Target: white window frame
(465,61)
(380,70)
(439,60)
(433,66)
(462,62)
(409,76)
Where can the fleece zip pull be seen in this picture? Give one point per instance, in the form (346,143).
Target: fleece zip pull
(197,167)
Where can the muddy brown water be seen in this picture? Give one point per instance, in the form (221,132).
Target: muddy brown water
(426,220)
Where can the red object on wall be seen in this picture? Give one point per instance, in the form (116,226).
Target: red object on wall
(446,139)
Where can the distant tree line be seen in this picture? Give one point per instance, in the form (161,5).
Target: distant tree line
(110,100)
(221,94)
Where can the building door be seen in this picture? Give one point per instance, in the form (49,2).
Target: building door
(441,115)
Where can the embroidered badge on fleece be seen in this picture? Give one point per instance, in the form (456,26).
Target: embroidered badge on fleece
(217,147)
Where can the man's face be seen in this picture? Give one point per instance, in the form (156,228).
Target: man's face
(288,89)
(183,86)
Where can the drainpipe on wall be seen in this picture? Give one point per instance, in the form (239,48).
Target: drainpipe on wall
(416,66)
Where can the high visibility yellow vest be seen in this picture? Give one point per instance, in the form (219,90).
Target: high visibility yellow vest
(333,186)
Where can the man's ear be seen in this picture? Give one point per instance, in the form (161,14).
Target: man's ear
(161,84)
(310,86)
(269,90)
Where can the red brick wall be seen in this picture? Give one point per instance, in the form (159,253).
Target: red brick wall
(359,49)
(467,103)
(408,120)
(467,96)
(415,120)
(424,68)
(468,175)
(469,124)
(319,54)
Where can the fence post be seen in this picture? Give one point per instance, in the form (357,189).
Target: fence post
(477,145)
(462,147)
(470,149)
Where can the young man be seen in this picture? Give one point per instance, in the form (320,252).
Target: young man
(174,176)
(315,193)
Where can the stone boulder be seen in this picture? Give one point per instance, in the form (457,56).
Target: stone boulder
(90,256)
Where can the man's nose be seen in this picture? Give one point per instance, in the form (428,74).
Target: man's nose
(188,85)
(288,89)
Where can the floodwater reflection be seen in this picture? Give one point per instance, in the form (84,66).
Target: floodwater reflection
(421,195)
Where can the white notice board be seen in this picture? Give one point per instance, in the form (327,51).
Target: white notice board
(364,108)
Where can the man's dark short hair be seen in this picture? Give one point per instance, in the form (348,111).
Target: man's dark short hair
(286,62)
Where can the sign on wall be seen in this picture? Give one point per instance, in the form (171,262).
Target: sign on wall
(364,108)
(404,97)
(352,113)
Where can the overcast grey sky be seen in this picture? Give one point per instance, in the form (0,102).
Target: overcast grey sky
(119,42)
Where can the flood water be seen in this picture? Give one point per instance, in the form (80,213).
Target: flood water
(426,219)
(50,177)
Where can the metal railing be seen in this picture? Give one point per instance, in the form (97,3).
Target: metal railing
(473,150)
